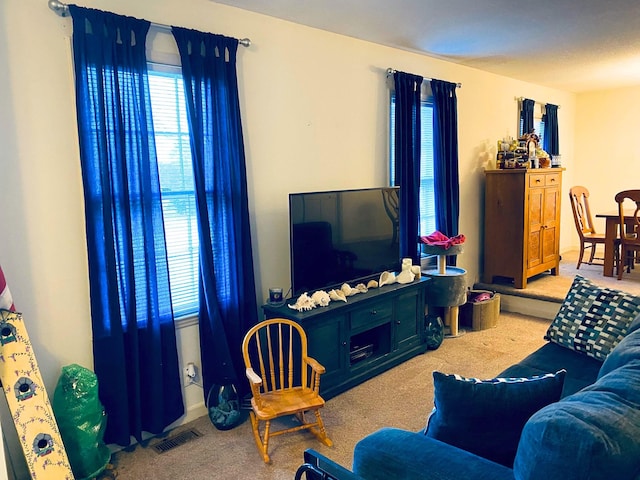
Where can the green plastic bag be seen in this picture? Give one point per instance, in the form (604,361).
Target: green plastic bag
(82,421)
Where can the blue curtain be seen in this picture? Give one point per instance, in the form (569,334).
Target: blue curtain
(526,116)
(445,157)
(134,344)
(407,155)
(551,137)
(228,297)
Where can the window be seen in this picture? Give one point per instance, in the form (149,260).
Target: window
(176,182)
(539,128)
(427,221)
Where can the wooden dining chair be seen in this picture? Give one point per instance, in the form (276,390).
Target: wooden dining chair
(589,238)
(284,381)
(629,226)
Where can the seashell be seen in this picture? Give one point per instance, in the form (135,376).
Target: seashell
(321,298)
(406,263)
(337,295)
(372,284)
(416,270)
(304,302)
(347,290)
(406,276)
(387,278)
(361,287)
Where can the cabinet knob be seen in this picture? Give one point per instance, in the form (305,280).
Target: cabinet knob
(398,322)
(538,180)
(373,312)
(344,343)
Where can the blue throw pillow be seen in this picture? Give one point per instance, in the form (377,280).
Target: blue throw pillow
(486,417)
(593,319)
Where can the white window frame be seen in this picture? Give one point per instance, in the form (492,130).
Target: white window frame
(181,235)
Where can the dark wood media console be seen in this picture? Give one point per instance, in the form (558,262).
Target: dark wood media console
(369,334)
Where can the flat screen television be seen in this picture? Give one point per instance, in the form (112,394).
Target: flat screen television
(342,236)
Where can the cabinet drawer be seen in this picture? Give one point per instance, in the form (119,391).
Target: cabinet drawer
(552,179)
(371,315)
(537,180)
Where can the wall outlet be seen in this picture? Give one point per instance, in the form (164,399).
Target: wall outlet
(190,374)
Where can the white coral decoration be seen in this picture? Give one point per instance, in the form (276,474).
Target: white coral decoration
(320,298)
(304,302)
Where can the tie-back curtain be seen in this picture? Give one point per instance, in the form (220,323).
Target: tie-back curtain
(526,116)
(228,305)
(551,137)
(446,170)
(134,344)
(407,155)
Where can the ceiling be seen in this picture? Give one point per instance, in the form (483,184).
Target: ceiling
(573,45)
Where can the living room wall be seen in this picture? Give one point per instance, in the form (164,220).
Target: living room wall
(315,118)
(606,126)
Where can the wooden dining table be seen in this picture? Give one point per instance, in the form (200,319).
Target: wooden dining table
(612,219)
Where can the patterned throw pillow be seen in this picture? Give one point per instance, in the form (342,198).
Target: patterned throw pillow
(593,319)
(486,417)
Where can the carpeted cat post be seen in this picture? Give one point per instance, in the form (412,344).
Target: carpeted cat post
(447,288)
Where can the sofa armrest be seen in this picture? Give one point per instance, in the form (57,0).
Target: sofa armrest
(394,453)
(319,467)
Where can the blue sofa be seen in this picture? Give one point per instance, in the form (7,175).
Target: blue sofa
(592,432)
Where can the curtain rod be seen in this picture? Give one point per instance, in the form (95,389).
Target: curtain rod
(62,9)
(391,71)
(519,99)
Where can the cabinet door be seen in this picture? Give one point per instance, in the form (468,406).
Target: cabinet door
(408,320)
(327,343)
(551,227)
(535,227)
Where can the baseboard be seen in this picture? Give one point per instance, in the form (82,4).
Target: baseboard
(193,412)
(529,306)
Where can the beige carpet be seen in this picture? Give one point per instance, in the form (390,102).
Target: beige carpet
(401,397)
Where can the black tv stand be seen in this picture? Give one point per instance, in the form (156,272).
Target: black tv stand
(370,333)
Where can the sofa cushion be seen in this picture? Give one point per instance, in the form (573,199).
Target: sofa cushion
(625,352)
(581,369)
(593,319)
(391,453)
(593,434)
(486,417)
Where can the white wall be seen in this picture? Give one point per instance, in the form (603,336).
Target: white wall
(315,118)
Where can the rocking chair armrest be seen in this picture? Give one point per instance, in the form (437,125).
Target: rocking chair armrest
(253,377)
(315,365)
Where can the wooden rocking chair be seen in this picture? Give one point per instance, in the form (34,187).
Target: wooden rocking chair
(288,382)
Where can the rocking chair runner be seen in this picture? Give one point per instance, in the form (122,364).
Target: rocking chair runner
(284,380)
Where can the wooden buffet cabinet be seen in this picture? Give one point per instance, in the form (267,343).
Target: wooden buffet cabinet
(363,337)
(521,223)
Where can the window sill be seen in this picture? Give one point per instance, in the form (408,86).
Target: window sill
(186,321)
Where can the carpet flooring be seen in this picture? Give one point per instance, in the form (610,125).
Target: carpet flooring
(401,397)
